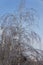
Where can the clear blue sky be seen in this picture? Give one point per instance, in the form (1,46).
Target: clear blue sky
(12,6)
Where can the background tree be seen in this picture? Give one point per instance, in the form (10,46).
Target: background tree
(17,36)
